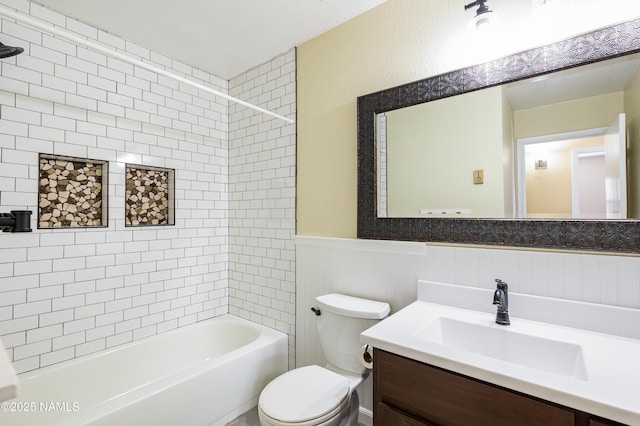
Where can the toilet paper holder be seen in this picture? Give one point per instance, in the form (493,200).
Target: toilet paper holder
(367,356)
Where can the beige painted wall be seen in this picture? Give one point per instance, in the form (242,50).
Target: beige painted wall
(433,149)
(632,109)
(571,116)
(397,42)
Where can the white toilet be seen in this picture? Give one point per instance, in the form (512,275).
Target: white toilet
(326,396)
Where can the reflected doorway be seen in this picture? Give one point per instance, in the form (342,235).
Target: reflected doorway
(580,175)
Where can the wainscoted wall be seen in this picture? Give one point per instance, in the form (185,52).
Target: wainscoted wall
(388,270)
(66,293)
(378,270)
(262,190)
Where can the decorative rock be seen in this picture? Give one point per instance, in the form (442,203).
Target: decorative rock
(65,185)
(147,196)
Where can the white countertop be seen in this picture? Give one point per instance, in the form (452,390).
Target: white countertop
(609,385)
(8,379)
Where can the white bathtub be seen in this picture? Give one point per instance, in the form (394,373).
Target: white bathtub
(206,373)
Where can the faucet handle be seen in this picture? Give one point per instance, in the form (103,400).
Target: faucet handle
(501,284)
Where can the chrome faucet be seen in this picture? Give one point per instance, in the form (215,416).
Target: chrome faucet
(501,298)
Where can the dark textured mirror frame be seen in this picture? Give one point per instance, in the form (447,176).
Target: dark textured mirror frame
(591,235)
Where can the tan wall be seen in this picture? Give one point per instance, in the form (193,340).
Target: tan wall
(571,116)
(397,42)
(632,110)
(433,149)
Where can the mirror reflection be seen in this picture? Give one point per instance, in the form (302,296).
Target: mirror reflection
(554,146)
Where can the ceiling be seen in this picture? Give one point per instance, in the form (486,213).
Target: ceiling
(222,37)
(575,83)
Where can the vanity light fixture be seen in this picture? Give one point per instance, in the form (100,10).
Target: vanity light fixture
(484,15)
(9,51)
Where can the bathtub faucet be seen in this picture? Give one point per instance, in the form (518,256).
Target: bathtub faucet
(16,221)
(501,298)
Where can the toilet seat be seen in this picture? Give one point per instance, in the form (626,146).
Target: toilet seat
(305,396)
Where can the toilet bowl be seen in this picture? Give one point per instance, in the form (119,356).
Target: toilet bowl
(325,396)
(310,395)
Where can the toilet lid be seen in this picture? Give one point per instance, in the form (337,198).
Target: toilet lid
(304,394)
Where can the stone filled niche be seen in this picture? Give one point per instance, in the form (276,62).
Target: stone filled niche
(71,192)
(149,196)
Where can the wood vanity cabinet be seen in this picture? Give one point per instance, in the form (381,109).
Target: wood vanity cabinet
(410,393)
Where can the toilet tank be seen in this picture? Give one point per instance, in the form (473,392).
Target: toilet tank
(342,318)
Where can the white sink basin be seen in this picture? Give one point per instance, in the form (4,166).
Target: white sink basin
(587,370)
(501,342)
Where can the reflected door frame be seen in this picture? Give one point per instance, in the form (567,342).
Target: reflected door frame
(521,193)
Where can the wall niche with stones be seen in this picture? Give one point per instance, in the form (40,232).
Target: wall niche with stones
(149,196)
(72,192)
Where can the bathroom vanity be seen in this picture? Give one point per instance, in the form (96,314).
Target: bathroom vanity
(408,392)
(443,361)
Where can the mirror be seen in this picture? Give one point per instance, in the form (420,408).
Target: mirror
(499,140)
(513,216)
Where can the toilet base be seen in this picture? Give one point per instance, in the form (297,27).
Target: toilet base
(351,419)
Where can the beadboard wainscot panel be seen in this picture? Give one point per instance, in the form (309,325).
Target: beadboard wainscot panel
(377,270)
(388,271)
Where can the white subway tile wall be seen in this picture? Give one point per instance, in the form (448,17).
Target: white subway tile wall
(67,293)
(262,175)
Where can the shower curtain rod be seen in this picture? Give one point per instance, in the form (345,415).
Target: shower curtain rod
(27,20)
